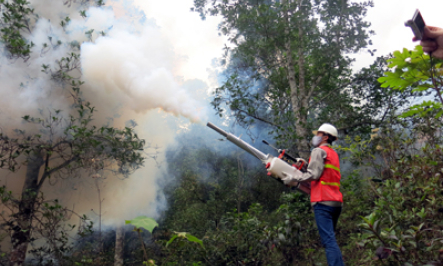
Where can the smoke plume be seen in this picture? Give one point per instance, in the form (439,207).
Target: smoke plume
(135,69)
(129,71)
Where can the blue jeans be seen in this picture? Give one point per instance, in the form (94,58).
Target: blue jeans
(326,218)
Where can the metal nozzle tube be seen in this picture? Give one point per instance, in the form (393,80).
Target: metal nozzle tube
(219,130)
(240,143)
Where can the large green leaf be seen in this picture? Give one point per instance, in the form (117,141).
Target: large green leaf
(143,222)
(194,239)
(188,236)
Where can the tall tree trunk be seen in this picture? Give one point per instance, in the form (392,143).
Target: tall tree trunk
(21,234)
(119,248)
(299,93)
(301,125)
(100,240)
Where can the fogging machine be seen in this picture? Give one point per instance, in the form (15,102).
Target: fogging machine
(277,168)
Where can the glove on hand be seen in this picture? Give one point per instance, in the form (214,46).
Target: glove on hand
(290,181)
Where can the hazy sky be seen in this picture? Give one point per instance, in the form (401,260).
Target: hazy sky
(199,42)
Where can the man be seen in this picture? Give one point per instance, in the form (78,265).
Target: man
(324,176)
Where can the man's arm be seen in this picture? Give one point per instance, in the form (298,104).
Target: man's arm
(315,167)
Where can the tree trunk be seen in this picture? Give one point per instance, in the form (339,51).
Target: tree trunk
(21,234)
(240,174)
(302,109)
(100,240)
(119,241)
(299,93)
(302,132)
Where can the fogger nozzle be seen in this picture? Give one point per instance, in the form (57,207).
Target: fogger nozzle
(219,130)
(275,166)
(240,143)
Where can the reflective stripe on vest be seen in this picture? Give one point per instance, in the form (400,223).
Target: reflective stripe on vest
(330,183)
(332,167)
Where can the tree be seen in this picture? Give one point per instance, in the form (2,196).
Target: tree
(289,62)
(64,143)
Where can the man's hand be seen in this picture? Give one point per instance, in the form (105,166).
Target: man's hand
(290,181)
(432,41)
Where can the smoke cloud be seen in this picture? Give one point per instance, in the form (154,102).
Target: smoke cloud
(135,69)
(129,68)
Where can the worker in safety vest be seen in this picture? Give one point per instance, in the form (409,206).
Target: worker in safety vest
(324,176)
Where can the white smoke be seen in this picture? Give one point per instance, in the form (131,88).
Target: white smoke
(132,65)
(129,68)
(137,70)
(24,87)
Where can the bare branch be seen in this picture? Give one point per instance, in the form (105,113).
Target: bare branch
(55,169)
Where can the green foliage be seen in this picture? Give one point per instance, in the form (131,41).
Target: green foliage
(149,224)
(16,18)
(403,169)
(371,98)
(419,71)
(410,67)
(208,184)
(246,237)
(81,144)
(143,222)
(184,235)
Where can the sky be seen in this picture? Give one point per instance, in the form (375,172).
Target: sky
(199,43)
(387,18)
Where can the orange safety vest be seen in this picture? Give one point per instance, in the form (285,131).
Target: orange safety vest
(327,187)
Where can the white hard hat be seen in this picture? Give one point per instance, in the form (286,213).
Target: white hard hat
(327,128)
